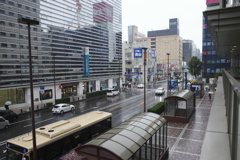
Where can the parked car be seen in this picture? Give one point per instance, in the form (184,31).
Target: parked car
(8,115)
(160,91)
(112,92)
(4,124)
(140,86)
(62,107)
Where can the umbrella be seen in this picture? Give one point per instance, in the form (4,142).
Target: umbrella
(210,92)
(8,102)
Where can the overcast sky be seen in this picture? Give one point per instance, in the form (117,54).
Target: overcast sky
(155,14)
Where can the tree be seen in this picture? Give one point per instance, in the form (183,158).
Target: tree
(195,66)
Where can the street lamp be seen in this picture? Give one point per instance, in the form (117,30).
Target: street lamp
(54,79)
(31,22)
(119,74)
(182,73)
(168,76)
(144,80)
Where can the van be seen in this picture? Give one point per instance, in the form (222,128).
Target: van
(4,124)
(112,92)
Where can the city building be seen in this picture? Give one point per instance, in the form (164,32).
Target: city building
(76,49)
(133,33)
(211,61)
(166,41)
(189,50)
(222,139)
(133,63)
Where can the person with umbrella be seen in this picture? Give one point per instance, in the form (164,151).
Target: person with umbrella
(7,103)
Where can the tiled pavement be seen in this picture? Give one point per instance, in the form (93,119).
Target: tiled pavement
(185,139)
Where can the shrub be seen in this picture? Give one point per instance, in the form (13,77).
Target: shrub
(158,108)
(49,104)
(63,100)
(96,93)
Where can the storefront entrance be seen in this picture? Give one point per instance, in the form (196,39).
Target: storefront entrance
(69,90)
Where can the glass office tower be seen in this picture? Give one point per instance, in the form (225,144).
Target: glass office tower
(211,62)
(76,46)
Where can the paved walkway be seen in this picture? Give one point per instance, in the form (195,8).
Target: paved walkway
(185,139)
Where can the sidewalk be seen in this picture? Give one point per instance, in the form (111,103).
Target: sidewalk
(204,137)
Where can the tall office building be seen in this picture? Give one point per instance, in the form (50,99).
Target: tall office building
(211,62)
(189,50)
(133,33)
(167,41)
(76,46)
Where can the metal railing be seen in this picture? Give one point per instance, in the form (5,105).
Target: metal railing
(232,96)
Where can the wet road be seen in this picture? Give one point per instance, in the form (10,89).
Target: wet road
(123,106)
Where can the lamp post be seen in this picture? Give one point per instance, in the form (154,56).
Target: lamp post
(31,22)
(54,78)
(168,76)
(119,75)
(144,80)
(182,73)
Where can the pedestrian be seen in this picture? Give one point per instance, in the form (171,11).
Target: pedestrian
(210,96)
(6,106)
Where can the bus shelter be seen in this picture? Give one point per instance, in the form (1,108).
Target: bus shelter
(198,89)
(180,106)
(142,137)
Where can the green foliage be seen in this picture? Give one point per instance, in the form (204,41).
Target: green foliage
(49,104)
(63,100)
(218,74)
(96,93)
(177,75)
(195,66)
(158,108)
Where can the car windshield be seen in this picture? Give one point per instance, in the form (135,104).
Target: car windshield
(109,91)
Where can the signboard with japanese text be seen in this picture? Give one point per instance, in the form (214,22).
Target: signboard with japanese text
(153,54)
(138,53)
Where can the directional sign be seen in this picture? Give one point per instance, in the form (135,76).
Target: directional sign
(138,53)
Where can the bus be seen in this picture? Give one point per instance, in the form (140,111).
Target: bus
(56,139)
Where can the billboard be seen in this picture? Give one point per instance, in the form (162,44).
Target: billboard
(212,1)
(102,11)
(138,53)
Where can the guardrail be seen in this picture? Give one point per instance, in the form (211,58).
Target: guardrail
(232,100)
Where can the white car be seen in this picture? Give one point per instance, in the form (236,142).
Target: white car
(4,124)
(140,86)
(62,107)
(112,92)
(160,91)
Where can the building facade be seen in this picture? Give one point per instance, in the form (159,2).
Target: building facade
(211,61)
(77,46)
(166,41)
(133,63)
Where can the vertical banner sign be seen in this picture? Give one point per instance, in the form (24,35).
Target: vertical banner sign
(153,54)
(86,60)
(138,53)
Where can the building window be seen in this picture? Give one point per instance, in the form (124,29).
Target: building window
(2,11)
(10,3)
(3,1)
(2,23)
(19,5)
(3,44)
(13,46)
(34,10)
(21,36)
(2,33)
(153,39)
(4,56)
(153,43)
(10,13)
(45,94)
(11,24)
(12,35)
(14,56)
